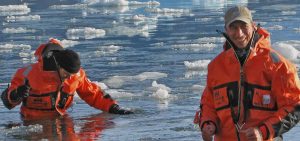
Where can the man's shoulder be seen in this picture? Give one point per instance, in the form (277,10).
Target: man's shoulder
(221,56)
(26,67)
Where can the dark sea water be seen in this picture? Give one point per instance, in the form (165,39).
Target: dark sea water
(151,56)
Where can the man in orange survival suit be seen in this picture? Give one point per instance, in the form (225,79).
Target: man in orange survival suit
(252,92)
(47,88)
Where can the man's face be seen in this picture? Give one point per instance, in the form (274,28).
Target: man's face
(240,33)
(64,74)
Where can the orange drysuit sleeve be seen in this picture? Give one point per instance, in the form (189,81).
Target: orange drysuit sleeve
(92,93)
(286,87)
(17,81)
(207,108)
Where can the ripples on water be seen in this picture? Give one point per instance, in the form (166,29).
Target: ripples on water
(151,56)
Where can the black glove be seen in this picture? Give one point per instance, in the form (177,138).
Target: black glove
(63,99)
(21,92)
(4,98)
(116,109)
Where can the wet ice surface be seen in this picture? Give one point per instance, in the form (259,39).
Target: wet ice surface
(151,56)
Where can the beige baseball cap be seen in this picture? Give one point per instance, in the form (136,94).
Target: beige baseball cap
(238,13)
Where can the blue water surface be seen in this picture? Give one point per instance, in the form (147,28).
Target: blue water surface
(160,43)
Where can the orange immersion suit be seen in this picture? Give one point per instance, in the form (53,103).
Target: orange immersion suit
(263,92)
(46,90)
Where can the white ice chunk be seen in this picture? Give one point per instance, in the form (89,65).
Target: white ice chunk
(210,40)
(17,30)
(103,50)
(156,86)
(139,17)
(287,50)
(15,46)
(288,12)
(150,3)
(195,47)
(197,88)
(131,31)
(24,54)
(275,27)
(294,43)
(102,85)
(115,93)
(118,93)
(14,10)
(107,2)
(73,6)
(69,43)
(168,12)
(195,73)
(197,65)
(23,18)
(150,75)
(85,33)
(161,94)
(118,81)
(297,29)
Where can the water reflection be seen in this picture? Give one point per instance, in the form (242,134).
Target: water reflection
(63,128)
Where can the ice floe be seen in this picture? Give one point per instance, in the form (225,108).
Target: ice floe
(15,46)
(23,18)
(197,65)
(69,43)
(14,10)
(289,49)
(195,47)
(85,33)
(104,50)
(18,30)
(119,81)
(168,12)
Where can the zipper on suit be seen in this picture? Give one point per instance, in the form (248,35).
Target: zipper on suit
(236,117)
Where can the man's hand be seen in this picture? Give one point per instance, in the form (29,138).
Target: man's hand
(208,131)
(21,92)
(253,134)
(116,109)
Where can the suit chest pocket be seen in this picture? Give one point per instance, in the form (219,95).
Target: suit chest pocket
(263,99)
(220,98)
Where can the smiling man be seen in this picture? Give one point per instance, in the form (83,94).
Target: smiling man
(252,92)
